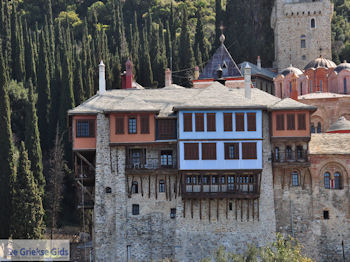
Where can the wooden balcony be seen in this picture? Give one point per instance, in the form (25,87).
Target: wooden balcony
(233,186)
(150,164)
(290,157)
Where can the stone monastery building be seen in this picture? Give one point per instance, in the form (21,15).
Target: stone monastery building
(176,172)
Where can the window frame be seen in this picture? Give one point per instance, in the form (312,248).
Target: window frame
(290,121)
(169,155)
(301,121)
(135,209)
(145,124)
(228,122)
(240,122)
(195,153)
(327,180)
(134,187)
(280,125)
(249,153)
(227,151)
(129,128)
(251,122)
(90,125)
(211,122)
(161,186)
(187,122)
(119,125)
(199,122)
(295,178)
(209,151)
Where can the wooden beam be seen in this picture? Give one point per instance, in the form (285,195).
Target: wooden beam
(184,211)
(166,188)
(169,188)
(127,185)
(200,209)
(217,209)
(236,208)
(209,209)
(155,185)
(253,209)
(141,186)
(226,208)
(175,185)
(191,208)
(84,189)
(241,209)
(85,160)
(258,211)
(248,202)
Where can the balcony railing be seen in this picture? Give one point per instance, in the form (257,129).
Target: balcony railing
(290,156)
(220,186)
(152,163)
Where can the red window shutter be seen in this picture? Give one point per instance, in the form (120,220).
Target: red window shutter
(145,124)
(228,122)
(239,121)
(251,121)
(191,151)
(199,117)
(119,125)
(301,122)
(280,122)
(291,121)
(187,122)
(211,122)
(249,150)
(209,151)
(92,128)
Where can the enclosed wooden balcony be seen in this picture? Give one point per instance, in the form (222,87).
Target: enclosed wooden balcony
(233,186)
(289,156)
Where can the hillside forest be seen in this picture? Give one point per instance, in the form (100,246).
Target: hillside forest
(49,56)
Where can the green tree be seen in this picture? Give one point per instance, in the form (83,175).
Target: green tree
(185,56)
(146,75)
(32,140)
(27,217)
(200,45)
(44,93)
(7,174)
(218,23)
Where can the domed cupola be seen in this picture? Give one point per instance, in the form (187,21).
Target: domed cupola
(320,62)
(291,69)
(342,125)
(343,66)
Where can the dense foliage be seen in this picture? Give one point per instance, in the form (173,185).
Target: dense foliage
(50,51)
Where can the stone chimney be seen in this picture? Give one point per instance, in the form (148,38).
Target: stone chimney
(196,73)
(127,76)
(294,93)
(247,81)
(168,80)
(101,78)
(258,63)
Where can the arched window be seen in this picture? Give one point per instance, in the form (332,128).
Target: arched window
(321,85)
(313,23)
(277,154)
(310,86)
(303,41)
(337,178)
(345,88)
(319,127)
(290,88)
(161,186)
(289,153)
(300,154)
(135,187)
(312,128)
(295,178)
(327,179)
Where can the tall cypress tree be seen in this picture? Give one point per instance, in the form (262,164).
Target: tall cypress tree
(29,54)
(32,140)
(186,59)
(7,174)
(200,45)
(218,22)
(116,70)
(27,217)
(146,75)
(44,93)
(79,94)
(7,37)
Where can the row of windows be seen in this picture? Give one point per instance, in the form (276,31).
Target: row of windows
(135,187)
(211,122)
(249,151)
(136,211)
(301,121)
(132,125)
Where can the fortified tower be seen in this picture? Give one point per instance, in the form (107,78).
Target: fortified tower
(302,31)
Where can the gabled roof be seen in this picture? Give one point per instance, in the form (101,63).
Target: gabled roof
(223,59)
(256,71)
(290,104)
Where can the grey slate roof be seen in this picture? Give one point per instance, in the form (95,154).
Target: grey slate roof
(223,59)
(291,69)
(165,100)
(320,95)
(256,71)
(289,103)
(320,62)
(329,144)
(341,124)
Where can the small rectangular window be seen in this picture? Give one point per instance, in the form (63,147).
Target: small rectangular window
(291,121)
(187,122)
(239,122)
(166,158)
(132,126)
(303,43)
(301,122)
(251,117)
(119,125)
(231,150)
(161,186)
(280,122)
(325,214)
(208,151)
(191,151)
(211,122)
(199,118)
(85,128)
(145,124)
(135,209)
(228,122)
(166,128)
(249,150)
(230,206)
(172,212)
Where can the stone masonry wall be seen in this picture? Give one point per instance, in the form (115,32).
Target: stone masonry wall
(290,20)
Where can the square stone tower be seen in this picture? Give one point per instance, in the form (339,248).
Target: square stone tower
(302,31)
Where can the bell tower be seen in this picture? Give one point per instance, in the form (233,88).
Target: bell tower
(302,30)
